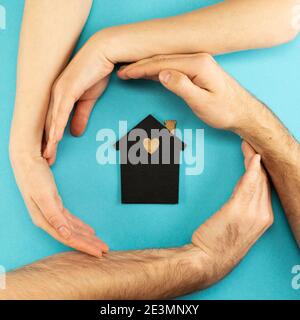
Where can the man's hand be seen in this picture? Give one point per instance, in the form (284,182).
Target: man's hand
(85,78)
(217,247)
(45,206)
(211,93)
(230,232)
(221,102)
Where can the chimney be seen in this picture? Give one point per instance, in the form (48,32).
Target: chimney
(170,125)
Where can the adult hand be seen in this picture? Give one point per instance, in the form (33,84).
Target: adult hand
(212,94)
(81,83)
(45,206)
(229,233)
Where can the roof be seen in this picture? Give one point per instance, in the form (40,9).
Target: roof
(148,124)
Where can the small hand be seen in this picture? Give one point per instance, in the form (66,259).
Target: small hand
(81,83)
(231,231)
(45,206)
(211,93)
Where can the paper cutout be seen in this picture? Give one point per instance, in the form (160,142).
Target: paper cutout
(155,177)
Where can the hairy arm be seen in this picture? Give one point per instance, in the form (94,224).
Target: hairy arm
(280,152)
(221,102)
(49,32)
(217,247)
(230,25)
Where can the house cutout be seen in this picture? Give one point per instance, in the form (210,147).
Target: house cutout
(150,163)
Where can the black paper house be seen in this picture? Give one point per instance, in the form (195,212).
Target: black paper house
(150,161)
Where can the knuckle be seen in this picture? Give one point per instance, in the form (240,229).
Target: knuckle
(54,221)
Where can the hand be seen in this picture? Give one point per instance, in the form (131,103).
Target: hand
(82,82)
(45,206)
(228,234)
(211,93)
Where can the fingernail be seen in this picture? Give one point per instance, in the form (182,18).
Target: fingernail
(64,232)
(165,77)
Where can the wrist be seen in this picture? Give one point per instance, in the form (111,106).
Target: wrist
(108,44)
(250,115)
(202,267)
(22,153)
(133,42)
(262,129)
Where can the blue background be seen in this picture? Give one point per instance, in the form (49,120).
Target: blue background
(93,192)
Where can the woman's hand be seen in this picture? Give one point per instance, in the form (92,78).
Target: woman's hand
(45,206)
(81,83)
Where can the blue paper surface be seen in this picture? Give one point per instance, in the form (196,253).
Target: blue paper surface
(92,191)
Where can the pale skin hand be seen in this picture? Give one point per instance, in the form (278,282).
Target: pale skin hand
(49,32)
(215,29)
(217,247)
(221,102)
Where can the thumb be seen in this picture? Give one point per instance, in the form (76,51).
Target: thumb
(248,184)
(182,86)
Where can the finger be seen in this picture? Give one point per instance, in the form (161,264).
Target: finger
(81,116)
(90,245)
(122,72)
(251,180)
(200,68)
(183,87)
(51,160)
(85,107)
(79,223)
(84,229)
(53,213)
(154,66)
(248,153)
(48,123)
(62,108)
(87,245)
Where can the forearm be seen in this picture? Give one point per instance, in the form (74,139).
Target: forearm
(228,26)
(280,153)
(49,32)
(142,274)
(148,274)
(217,247)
